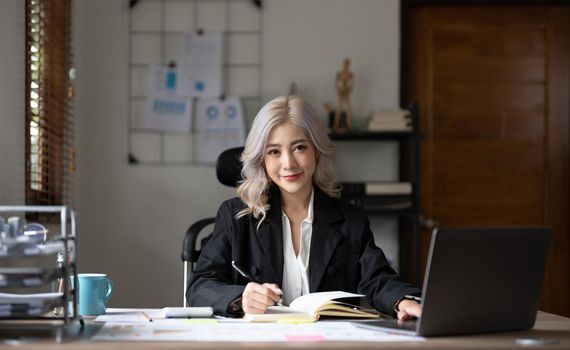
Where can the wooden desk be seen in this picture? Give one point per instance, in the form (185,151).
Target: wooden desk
(547,326)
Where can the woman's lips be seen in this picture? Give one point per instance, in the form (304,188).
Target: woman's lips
(292,177)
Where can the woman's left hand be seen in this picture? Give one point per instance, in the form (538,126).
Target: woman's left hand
(408,309)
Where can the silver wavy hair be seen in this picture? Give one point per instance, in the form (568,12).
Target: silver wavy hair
(254,189)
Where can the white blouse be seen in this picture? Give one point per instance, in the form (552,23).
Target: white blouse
(295,268)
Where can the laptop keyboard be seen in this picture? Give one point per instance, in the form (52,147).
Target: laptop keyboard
(407,326)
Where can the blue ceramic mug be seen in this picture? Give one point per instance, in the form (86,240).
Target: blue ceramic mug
(94,291)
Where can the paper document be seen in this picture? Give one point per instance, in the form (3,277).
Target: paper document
(220,125)
(134,317)
(213,331)
(187,312)
(200,65)
(8,298)
(146,315)
(165,109)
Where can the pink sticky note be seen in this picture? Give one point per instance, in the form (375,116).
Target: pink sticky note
(306,337)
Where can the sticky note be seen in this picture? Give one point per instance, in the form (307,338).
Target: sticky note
(306,337)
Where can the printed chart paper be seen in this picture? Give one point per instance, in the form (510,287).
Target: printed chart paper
(200,64)
(165,109)
(219,126)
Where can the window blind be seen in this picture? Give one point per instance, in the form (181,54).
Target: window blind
(49,94)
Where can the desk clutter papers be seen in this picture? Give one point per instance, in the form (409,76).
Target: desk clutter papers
(27,277)
(187,312)
(145,315)
(27,246)
(27,298)
(133,325)
(213,330)
(15,304)
(390,120)
(129,318)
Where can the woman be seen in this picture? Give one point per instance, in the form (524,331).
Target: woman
(287,229)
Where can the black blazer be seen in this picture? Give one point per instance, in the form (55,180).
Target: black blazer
(343,255)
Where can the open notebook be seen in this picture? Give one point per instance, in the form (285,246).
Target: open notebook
(310,307)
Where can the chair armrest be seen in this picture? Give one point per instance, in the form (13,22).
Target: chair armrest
(189,252)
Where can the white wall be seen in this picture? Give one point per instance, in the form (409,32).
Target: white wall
(132,218)
(306,40)
(12,81)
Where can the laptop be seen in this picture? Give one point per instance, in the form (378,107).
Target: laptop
(478,280)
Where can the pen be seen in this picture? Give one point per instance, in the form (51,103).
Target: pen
(243,273)
(147,316)
(246,275)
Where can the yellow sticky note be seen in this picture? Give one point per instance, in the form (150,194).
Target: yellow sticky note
(200,321)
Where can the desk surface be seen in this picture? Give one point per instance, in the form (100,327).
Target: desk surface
(547,326)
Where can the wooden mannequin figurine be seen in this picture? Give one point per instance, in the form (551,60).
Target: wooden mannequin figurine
(344,84)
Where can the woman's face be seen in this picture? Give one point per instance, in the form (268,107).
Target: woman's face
(290,159)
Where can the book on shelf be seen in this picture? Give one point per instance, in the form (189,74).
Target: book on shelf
(359,189)
(391,115)
(389,127)
(310,307)
(405,205)
(387,188)
(390,120)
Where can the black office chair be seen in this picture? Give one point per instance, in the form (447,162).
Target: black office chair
(228,171)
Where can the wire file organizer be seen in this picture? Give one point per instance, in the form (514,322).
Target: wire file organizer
(38,268)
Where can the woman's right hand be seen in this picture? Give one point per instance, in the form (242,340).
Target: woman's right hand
(256,298)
